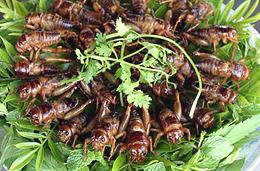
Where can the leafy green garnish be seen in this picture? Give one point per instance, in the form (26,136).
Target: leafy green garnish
(240,19)
(76,160)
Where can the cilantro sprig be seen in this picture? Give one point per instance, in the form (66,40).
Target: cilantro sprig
(152,68)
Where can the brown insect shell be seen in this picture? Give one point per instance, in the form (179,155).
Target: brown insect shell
(62,7)
(29,89)
(138,142)
(198,12)
(71,128)
(22,46)
(169,121)
(42,115)
(204,119)
(104,132)
(66,132)
(227,95)
(240,72)
(63,106)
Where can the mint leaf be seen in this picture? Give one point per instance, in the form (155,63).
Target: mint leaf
(216,147)
(155,167)
(49,163)
(23,160)
(237,165)
(3,110)
(242,129)
(230,159)
(76,160)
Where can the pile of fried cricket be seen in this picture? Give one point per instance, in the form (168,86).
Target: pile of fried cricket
(127,77)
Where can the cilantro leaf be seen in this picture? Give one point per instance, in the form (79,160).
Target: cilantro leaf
(91,71)
(146,77)
(104,50)
(127,87)
(124,73)
(121,28)
(139,99)
(80,56)
(100,39)
(150,62)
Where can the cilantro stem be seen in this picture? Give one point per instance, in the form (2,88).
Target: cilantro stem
(134,53)
(100,58)
(114,52)
(117,40)
(113,35)
(122,52)
(192,110)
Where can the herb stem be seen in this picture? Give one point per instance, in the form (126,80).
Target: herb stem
(113,35)
(100,58)
(192,110)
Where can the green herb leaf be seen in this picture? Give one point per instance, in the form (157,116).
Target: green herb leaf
(127,87)
(9,47)
(237,165)
(49,163)
(218,11)
(42,6)
(39,158)
(224,15)
(119,162)
(146,77)
(252,9)
(3,110)
(230,159)
(91,71)
(76,160)
(216,147)
(243,129)
(99,167)
(26,125)
(26,145)
(104,50)
(160,12)
(31,135)
(139,99)
(155,167)
(55,151)
(23,160)
(100,39)
(121,28)
(240,11)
